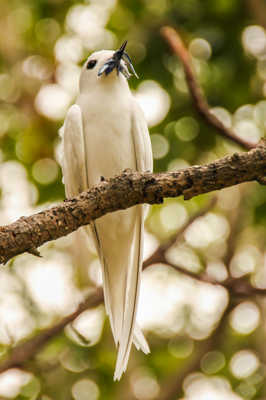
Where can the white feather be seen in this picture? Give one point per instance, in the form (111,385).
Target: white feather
(104,133)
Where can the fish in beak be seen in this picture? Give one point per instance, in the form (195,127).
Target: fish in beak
(120,61)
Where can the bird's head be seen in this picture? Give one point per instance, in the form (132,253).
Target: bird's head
(107,65)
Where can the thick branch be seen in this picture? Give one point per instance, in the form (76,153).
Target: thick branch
(127,190)
(201,105)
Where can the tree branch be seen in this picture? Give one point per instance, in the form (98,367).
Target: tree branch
(127,190)
(27,349)
(201,104)
(257,8)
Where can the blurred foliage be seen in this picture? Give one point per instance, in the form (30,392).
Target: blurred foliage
(42,46)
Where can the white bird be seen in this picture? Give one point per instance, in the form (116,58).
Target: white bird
(104,133)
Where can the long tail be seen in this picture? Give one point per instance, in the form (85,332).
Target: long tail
(119,238)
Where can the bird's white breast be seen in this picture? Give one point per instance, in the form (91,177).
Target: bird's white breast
(107,133)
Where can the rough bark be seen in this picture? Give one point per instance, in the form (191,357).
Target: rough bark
(124,191)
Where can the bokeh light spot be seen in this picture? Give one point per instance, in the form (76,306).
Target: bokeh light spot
(223,115)
(47,30)
(52,101)
(260,113)
(144,385)
(154,101)
(217,270)
(212,362)
(181,347)
(173,216)
(85,389)
(12,381)
(69,48)
(95,272)
(186,128)
(37,67)
(248,130)
(67,75)
(89,326)
(244,261)
(176,164)
(245,112)
(21,18)
(206,230)
(245,318)
(254,39)
(199,387)
(246,390)
(160,146)
(200,48)
(45,171)
(73,362)
(244,363)
(184,256)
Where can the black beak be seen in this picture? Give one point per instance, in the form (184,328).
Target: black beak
(115,63)
(119,53)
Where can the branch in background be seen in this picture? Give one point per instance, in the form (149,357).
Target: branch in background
(258,9)
(127,190)
(27,350)
(159,255)
(201,105)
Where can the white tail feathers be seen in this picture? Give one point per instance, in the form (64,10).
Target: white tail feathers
(139,340)
(121,259)
(140,344)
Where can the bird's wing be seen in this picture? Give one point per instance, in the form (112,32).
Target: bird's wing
(73,160)
(75,179)
(130,331)
(142,141)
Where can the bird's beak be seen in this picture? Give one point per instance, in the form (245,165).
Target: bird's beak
(116,62)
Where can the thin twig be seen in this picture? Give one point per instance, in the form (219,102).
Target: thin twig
(201,104)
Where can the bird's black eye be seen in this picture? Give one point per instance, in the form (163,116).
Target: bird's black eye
(91,64)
